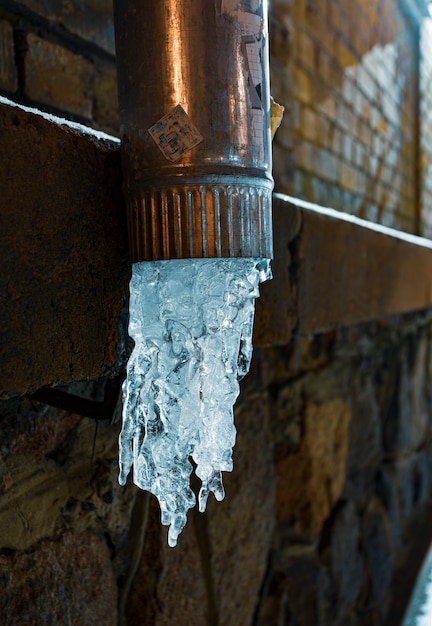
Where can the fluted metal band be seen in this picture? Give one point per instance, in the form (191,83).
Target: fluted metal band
(200,220)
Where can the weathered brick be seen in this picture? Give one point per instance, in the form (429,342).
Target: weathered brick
(105,108)
(329,107)
(426,121)
(326,165)
(303,155)
(310,124)
(282,36)
(337,16)
(306,50)
(348,177)
(302,85)
(8,71)
(58,78)
(91,20)
(356,67)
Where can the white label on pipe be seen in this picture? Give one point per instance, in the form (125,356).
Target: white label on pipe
(174,134)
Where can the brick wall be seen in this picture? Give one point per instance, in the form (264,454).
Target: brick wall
(59,57)
(426,124)
(346,72)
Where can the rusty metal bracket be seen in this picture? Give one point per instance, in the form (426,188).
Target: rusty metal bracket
(104,410)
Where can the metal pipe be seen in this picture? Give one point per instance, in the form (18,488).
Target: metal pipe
(194,103)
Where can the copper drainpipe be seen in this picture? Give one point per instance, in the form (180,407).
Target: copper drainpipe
(193,79)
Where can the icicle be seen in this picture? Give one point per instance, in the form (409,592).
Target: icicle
(191,321)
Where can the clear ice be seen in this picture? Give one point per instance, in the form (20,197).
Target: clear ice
(191,321)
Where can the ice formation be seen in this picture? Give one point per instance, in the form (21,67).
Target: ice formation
(191,321)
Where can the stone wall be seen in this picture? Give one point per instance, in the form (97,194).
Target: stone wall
(332,467)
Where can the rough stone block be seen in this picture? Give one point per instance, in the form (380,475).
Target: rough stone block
(406,480)
(65,271)
(57,77)
(362,291)
(347,572)
(241,527)
(216,570)
(276,316)
(387,490)
(170,584)
(294,592)
(63,490)
(310,481)
(406,424)
(364,449)
(8,71)
(379,553)
(69,581)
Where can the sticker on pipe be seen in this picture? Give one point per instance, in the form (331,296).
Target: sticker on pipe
(175,134)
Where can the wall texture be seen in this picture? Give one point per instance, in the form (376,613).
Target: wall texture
(347,73)
(426,123)
(333,466)
(59,55)
(329,506)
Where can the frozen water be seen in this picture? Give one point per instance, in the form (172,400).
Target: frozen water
(191,321)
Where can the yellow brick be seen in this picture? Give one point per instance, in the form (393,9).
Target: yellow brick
(345,55)
(337,17)
(302,85)
(57,77)
(283,36)
(348,177)
(305,50)
(302,155)
(320,91)
(328,107)
(336,146)
(309,127)
(327,38)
